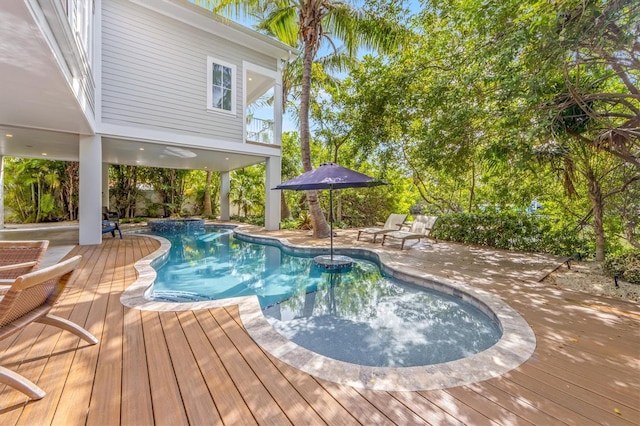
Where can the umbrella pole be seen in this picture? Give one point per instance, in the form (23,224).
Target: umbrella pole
(331,220)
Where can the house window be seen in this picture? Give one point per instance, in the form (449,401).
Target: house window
(221,85)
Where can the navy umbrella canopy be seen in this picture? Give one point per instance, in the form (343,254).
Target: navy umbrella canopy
(330,176)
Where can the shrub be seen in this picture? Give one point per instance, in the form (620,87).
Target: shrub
(632,274)
(252,220)
(513,231)
(289,224)
(625,265)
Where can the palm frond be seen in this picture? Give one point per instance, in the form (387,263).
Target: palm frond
(282,23)
(359,30)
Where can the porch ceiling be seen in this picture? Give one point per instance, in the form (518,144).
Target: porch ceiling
(40,116)
(31,143)
(34,91)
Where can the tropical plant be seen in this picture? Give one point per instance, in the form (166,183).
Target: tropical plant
(33,190)
(247,190)
(170,184)
(123,189)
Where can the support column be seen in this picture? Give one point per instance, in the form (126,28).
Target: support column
(277,111)
(90,190)
(225,187)
(272,197)
(105,185)
(1,192)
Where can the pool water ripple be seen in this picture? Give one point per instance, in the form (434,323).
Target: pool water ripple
(324,313)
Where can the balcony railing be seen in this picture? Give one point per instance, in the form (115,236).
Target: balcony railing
(260,130)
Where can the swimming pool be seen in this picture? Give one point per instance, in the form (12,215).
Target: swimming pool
(359,317)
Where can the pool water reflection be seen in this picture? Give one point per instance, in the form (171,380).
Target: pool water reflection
(359,317)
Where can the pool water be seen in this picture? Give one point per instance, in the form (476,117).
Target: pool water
(361,316)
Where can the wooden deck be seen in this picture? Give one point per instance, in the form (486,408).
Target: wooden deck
(202,368)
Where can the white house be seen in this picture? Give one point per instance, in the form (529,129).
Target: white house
(161,83)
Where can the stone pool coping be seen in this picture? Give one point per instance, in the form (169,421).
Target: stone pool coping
(517,344)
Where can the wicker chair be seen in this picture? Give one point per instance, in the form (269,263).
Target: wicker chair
(30,299)
(20,257)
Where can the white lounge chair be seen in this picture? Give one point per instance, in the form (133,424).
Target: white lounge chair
(420,228)
(29,299)
(392,224)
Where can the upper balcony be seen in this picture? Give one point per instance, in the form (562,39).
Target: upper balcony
(260,108)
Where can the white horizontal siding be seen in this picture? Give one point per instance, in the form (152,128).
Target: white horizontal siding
(154,73)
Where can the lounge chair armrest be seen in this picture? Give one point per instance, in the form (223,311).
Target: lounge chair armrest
(17,266)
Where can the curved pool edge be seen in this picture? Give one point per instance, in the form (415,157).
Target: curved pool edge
(516,345)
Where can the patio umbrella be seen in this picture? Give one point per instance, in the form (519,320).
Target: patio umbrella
(330,176)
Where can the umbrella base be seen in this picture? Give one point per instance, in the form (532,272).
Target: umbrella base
(335,264)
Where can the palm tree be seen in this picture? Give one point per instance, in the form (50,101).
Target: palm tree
(309,23)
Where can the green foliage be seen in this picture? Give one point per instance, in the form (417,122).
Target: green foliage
(170,184)
(253,220)
(626,266)
(502,102)
(37,190)
(632,274)
(123,189)
(511,230)
(204,192)
(247,190)
(134,220)
(301,222)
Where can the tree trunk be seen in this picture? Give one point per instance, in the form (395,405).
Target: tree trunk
(206,209)
(285,212)
(472,192)
(597,203)
(320,227)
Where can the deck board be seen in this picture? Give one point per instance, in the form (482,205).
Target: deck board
(360,408)
(168,408)
(542,402)
(590,379)
(103,306)
(202,367)
(392,408)
(285,395)
(457,408)
(429,412)
(262,406)
(482,405)
(136,403)
(521,407)
(589,396)
(196,397)
(565,397)
(229,403)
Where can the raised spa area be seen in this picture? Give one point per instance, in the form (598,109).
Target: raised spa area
(368,326)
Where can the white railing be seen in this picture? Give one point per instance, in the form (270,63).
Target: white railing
(260,130)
